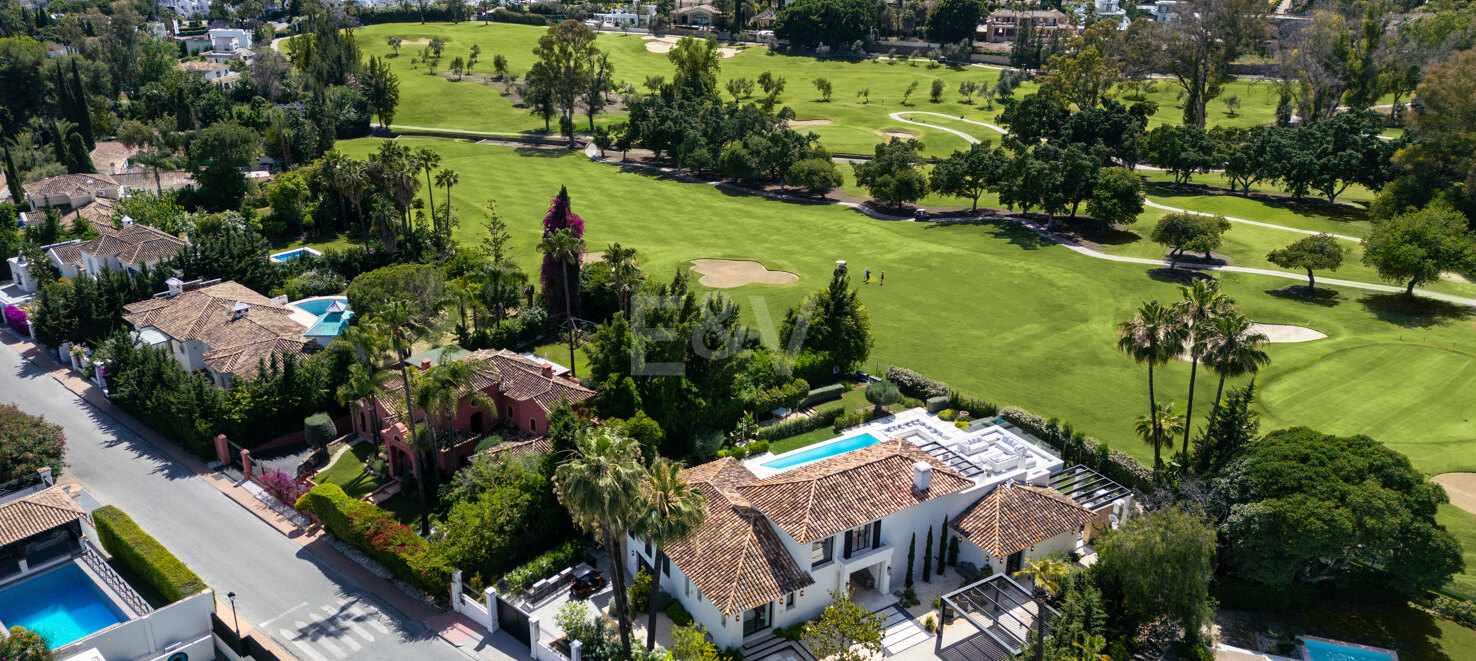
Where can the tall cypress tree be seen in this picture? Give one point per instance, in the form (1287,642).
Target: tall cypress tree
(928,558)
(911,553)
(79,159)
(942,545)
(13,180)
(82,112)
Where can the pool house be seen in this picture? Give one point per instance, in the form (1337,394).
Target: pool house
(53,581)
(784,531)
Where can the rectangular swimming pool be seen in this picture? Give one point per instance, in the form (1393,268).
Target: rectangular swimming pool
(62,605)
(1327,650)
(825,451)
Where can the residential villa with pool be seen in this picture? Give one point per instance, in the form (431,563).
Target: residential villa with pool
(784,531)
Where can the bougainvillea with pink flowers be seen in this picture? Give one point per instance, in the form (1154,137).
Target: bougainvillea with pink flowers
(560,217)
(16,319)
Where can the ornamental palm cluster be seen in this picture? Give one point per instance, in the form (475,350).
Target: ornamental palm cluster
(1204,327)
(610,493)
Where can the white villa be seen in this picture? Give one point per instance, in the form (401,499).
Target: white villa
(783,531)
(128,249)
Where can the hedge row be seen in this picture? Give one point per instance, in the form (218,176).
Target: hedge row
(786,396)
(377,533)
(824,394)
(819,420)
(544,566)
(1092,453)
(144,555)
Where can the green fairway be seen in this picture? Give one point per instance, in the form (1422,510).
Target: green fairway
(441,101)
(1462,524)
(994,310)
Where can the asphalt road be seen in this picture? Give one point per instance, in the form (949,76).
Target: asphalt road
(282,589)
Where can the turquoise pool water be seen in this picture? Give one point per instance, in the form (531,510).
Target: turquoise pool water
(317,306)
(291,254)
(62,605)
(1320,651)
(823,452)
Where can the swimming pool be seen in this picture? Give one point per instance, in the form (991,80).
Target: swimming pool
(318,305)
(62,605)
(823,451)
(293,254)
(1318,649)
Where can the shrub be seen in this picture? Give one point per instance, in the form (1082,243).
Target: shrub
(976,407)
(787,396)
(543,566)
(27,443)
(16,319)
(318,430)
(909,597)
(916,385)
(937,404)
(639,592)
(311,283)
(1115,465)
(947,414)
(382,538)
(930,624)
(961,424)
(794,633)
(823,394)
(1456,610)
(678,614)
(282,486)
(848,420)
(820,419)
(144,555)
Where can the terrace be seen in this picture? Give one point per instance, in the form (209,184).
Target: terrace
(997,607)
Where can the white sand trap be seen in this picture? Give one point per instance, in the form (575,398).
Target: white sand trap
(1278,333)
(899,134)
(592,258)
(810,122)
(1461,487)
(414,42)
(664,44)
(728,273)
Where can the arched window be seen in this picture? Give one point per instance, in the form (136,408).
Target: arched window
(532,424)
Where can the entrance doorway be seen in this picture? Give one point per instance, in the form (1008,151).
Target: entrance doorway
(1012,564)
(758,619)
(478,424)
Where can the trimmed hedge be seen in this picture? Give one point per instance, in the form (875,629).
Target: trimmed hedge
(318,430)
(382,538)
(144,555)
(544,566)
(824,394)
(913,384)
(821,419)
(788,395)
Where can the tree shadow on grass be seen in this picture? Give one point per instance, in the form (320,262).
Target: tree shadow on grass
(1414,311)
(1179,276)
(999,228)
(1411,632)
(1307,206)
(544,152)
(1322,296)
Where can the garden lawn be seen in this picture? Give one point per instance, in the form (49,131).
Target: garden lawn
(997,312)
(1462,524)
(348,472)
(558,352)
(441,101)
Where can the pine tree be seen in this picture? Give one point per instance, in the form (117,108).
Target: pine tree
(942,545)
(82,111)
(79,159)
(928,558)
(911,556)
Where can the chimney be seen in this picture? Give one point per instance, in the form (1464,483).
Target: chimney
(127,221)
(176,286)
(922,476)
(425,364)
(46,478)
(240,309)
(548,371)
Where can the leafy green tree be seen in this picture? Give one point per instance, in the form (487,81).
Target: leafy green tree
(1236,426)
(1153,337)
(952,20)
(892,177)
(29,443)
(836,23)
(690,643)
(1180,150)
(1249,155)
(845,631)
(816,175)
(911,558)
(567,62)
(1417,246)
(382,89)
(1309,507)
(882,393)
(22,644)
(832,326)
(969,174)
(1162,564)
(1350,149)
(935,92)
(602,485)
(825,88)
(1197,48)
(421,287)
(1316,252)
(927,571)
(221,151)
(697,64)
(1180,231)
(672,511)
(1117,197)
(1082,77)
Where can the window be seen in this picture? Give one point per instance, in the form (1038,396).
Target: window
(509,411)
(822,552)
(666,567)
(532,424)
(789,601)
(648,549)
(861,538)
(688,589)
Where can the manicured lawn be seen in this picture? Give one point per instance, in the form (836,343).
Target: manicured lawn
(1462,524)
(999,313)
(558,352)
(348,472)
(441,101)
(796,442)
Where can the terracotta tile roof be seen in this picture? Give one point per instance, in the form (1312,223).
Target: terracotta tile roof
(513,448)
(112,156)
(206,315)
(1014,517)
(70,184)
(99,213)
(520,379)
(736,559)
(135,244)
(201,66)
(67,252)
(37,513)
(821,499)
(145,180)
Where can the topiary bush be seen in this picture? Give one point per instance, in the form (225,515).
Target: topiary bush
(144,555)
(882,393)
(318,429)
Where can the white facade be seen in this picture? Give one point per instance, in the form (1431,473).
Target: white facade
(186,8)
(20,268)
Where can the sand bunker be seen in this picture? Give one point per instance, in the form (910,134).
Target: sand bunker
(728,273)
(664,44)
(1277,333)
(1461,487)
(809,122)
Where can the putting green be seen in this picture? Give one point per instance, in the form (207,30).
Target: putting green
(1364,390)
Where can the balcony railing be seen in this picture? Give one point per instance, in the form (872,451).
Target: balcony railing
(120,587)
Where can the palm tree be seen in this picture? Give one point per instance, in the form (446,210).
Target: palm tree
(1152,337)
(1164,422)
(371,346)
(353,179)
(624,274)
(451,384)
(1232,349)
(673,511)
(1045,576)
(427,159)
(1202,301)
(332,173)
(602,487)
(565,248)
(157,158)
(447,178)
(402,330)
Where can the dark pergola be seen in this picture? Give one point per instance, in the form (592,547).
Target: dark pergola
(1001,601)
(1087,487)
(955,460)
